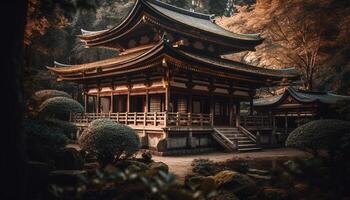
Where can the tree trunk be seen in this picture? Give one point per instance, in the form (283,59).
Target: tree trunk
(13,159)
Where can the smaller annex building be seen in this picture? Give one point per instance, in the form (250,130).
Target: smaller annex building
(294,107)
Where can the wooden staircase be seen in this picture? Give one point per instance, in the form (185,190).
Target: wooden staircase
(236,138)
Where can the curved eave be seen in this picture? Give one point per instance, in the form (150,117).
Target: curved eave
(290,91)
(99,39)
(157,54)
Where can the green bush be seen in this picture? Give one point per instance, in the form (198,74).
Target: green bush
(68,128)
(43,141)
(319,134)
(109,141)
(43,95)
(59,107)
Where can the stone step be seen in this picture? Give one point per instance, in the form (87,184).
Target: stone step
(249,149)
(244,141)
(258,171)
(246,145)
(261,177)
(242,138)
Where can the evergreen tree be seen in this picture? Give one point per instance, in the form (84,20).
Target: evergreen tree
(217,7)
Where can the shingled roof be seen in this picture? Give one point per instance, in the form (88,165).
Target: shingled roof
(301,96)
(137,60)
(167,14)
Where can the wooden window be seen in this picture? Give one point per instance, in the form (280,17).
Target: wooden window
(155,103)
(182,105)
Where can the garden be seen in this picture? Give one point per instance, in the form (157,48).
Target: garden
(106,162)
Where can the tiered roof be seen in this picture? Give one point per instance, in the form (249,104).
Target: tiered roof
(153,56)
(301,96)
(169,18)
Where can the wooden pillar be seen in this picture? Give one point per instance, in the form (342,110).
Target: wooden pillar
(238,114)
(147,101)
(251,111)
(167,98)
(286,123)
(98,102)
(251,105)
(230,109)
(86,102)
(190,103)
(128,100)
(112,103)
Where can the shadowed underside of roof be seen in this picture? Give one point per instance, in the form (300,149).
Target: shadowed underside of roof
(301,96)
(196,21)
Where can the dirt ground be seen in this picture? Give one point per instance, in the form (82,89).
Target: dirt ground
(181,165)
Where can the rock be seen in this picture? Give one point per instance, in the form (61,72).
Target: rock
(127,164)
(274,193)
(147,156)
(206,184)
(240,184)
(69,159)
(160,166)
(156,167)
(66,177)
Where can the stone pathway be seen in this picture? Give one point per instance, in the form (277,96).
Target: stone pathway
(181,165)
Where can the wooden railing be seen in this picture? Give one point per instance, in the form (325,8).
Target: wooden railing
(224,141)
(147,118)
(189,119)
(247,133)
(256,121)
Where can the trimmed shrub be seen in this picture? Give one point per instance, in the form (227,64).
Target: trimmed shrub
(109,141)
(59,107)
(42,141)
(43,95)
(319,134)
(68,128)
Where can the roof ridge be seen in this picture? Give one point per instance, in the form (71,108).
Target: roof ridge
(182,10)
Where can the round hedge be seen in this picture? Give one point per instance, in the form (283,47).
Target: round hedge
(43,95)
(109,141)
(319,134)
(59,106)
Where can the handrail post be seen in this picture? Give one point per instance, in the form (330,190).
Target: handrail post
(165,118)
(211,119)
(155,119)
(144,118)
(201,119)
(189,119)
(118,117)
(135,117)
(177,119)
(126,118)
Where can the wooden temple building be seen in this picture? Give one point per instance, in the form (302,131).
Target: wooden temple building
(295,107)
(169,81)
